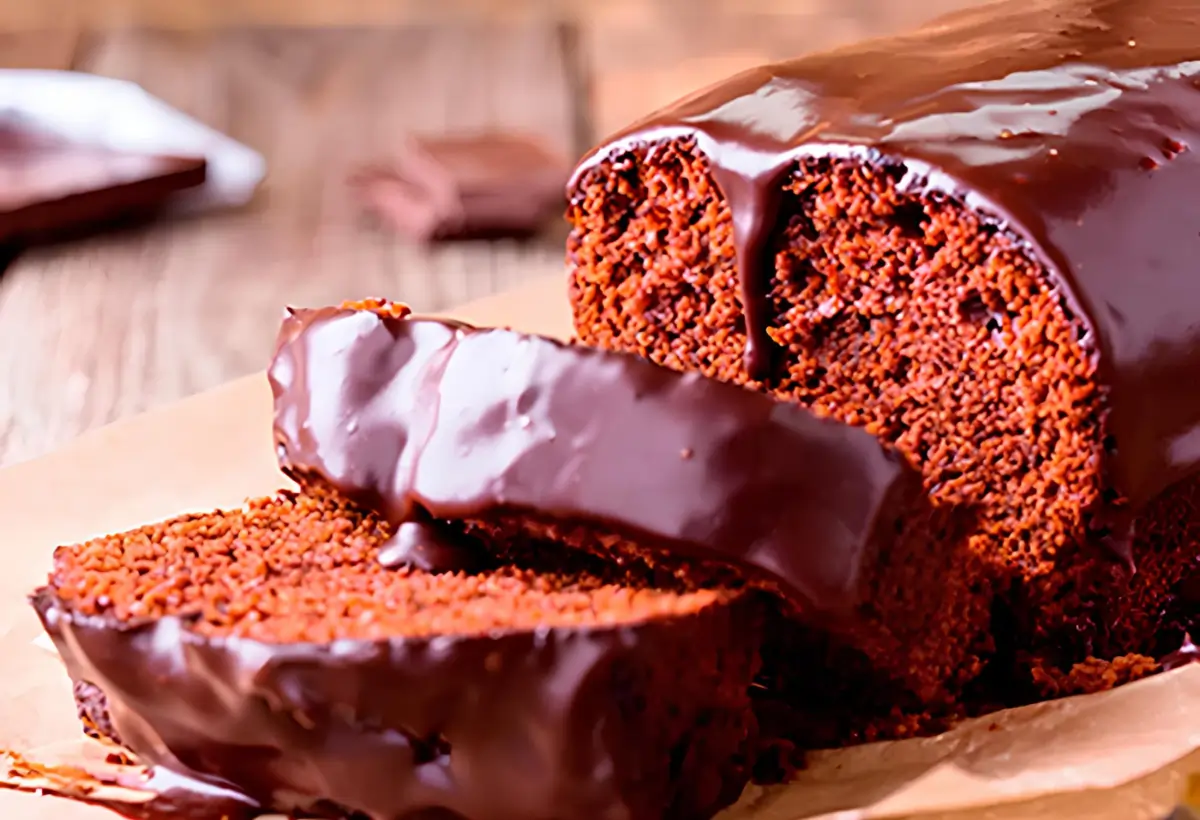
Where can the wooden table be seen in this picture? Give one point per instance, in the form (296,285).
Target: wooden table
(99,329)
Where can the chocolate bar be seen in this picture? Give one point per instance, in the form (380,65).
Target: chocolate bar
(486,185)
(51,188)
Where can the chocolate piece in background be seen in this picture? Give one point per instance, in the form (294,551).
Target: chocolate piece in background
(51,188)
(469,186)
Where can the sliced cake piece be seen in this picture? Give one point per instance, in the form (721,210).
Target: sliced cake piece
(446,429)
(264,657)
(977,242)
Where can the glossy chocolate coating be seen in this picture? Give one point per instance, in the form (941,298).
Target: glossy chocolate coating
(414,416)
(537,725)
(1073,124)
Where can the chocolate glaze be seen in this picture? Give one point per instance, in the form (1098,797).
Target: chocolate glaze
(420,416)
(1074,124)
(540,725)
(426,545)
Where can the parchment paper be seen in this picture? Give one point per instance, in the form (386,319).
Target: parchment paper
(1123,755)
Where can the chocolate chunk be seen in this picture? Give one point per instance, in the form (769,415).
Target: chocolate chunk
(51,188)
(478,186)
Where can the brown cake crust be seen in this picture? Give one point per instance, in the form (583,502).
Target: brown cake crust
(264,652)
(916,257)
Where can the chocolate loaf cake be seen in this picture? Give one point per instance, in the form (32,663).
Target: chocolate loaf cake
(978,243)
(446,429)
(521,579)
(262,659)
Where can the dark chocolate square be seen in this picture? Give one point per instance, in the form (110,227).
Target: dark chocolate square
(467,186)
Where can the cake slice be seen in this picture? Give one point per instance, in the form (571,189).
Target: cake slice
(976,242)
(263,658)
(521,579)
(445,430)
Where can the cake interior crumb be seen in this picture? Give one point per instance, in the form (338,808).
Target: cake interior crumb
(301,567)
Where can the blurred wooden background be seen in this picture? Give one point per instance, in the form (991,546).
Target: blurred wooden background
(103,328)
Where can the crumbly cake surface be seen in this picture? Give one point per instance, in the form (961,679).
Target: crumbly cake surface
(913,317)
(615,696)
(302,567)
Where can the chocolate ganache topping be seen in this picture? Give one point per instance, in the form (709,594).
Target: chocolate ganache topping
(483,727)
(1187,653)
(425,419)
(1074,124)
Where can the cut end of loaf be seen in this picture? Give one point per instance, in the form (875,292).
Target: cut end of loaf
(908,314)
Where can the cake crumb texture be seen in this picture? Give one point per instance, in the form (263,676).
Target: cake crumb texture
(302,567)
(910,315)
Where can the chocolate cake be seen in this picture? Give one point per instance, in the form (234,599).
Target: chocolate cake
(262,659)
(978,243)
(481,600)
(482,185)
(443,428)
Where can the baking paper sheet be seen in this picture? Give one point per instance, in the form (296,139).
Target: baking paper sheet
(1122,755)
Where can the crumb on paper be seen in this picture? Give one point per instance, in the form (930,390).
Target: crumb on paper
(1094,675)
(29,775)
(64,780)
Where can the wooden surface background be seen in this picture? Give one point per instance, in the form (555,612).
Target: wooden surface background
(103,328)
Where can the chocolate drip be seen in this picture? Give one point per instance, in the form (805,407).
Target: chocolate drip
(1071,124)
(417,415)
(751,178)
(425,545)
(754,204)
